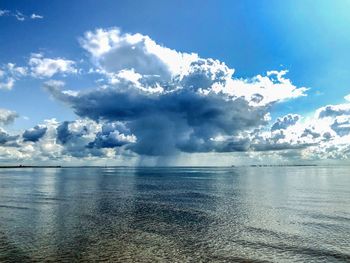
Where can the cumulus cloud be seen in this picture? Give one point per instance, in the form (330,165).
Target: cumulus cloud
(8,140)
(156,101)
(164,123)
(114,51)
(47,67)
(34,134)
(324,136)
(310,139)
(171,101)
(334,110)
(9,73)
(139,59)
(285,122)
(112,135)
(81,138)
(7,116)
(38,67)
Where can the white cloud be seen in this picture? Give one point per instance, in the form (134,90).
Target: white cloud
(333,110)
(19,15)
(114,51)
(7,116)
(153,65)
(9,74)
(324,136)
(47,67)
(35,16)
(4,12)
(38,67)
(7,84)
(347,97)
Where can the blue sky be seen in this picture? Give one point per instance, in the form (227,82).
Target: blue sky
(310,39)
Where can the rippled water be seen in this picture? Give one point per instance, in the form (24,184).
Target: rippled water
(271,214)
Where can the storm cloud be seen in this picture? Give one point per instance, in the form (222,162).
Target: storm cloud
(169,101)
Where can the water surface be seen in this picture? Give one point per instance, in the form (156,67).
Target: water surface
(266,214)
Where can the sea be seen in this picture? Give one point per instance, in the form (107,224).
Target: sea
(175,214)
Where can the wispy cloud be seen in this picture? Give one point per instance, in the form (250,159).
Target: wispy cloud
(19,15)
(4,12)
(35,16)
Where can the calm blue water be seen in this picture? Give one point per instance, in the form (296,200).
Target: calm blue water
(272,214)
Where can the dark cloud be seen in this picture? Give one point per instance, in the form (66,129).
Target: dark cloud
(310,132)
(334,110)
(112,135)
(285,122)
(164,123)
(64,134)
(7,139)
(341,127)
(34,134)
(272,146)
(75,137)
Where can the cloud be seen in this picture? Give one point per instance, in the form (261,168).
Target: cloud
(4,12)
(47,67)
(38,67)
(7,116)
(310,139)
(347,98)
(333,110)
(7,84)
(165,123)
(112,51)
(341,125)
(170,101)
(68,141)
(9,73)
(35,16)
(7,139)
(150,65)
(34,134)
(77,138)
(324,136)
(19,15)
(285,122)
(112,135)
(155,101)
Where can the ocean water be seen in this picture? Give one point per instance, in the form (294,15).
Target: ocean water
(251,214)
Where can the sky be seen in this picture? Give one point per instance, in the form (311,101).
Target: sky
(174,82)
